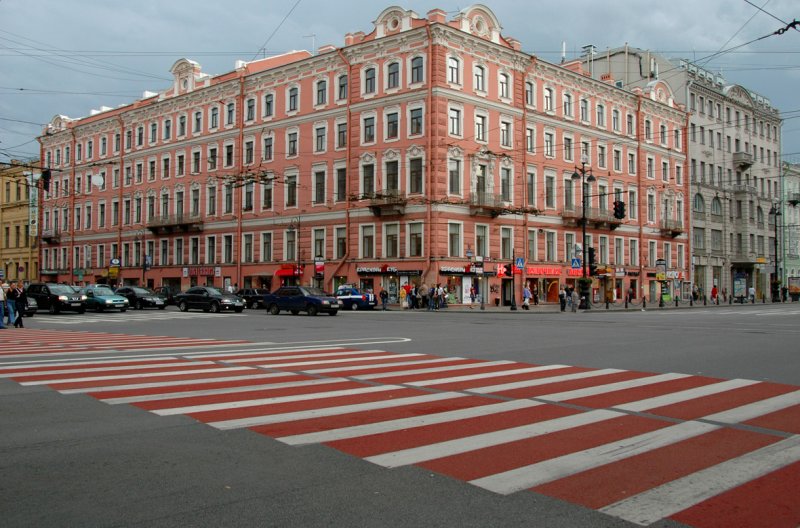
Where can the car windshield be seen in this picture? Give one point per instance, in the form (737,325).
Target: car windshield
(214,291)
(315,291)
(143,291)
(62,289)
(102,291)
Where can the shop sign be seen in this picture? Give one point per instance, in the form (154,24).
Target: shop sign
(319,267)
(385,270)
(456,270)
(619,272)
(201,271)
(575,273)
(675,275)
(634,273)
(543,271)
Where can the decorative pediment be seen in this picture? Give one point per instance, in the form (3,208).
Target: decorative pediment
(393,20)
(480,21)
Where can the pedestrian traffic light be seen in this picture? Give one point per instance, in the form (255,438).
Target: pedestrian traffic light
(592,263)
(46,180)
(619,209)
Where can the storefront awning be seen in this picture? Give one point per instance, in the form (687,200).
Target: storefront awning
(288,272)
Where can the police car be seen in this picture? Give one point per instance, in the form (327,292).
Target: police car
(353,299)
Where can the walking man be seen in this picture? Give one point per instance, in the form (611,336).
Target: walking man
(562,298)
(576,300)
(384,298)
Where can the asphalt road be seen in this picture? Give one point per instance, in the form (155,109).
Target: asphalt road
(76,460)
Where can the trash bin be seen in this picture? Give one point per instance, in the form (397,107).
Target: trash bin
(497,301)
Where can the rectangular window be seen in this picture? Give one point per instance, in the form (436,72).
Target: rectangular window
(266,247)
(454,240)
(506,242)
(342,88)
(341,135)
(550,191)
(505,133)
(481,240)
(319,139)
(415,125)
(291,191)
(368,180)
(392,125)
(269,105)
(415,239)
(367,241)
(369,129)
(319,187)
(505,184)
(341,184)
(341,242)
(291,141)
(455,122)
(454,179)
(415,176)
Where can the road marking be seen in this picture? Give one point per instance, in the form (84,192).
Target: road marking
(756,409)
(176,383)
(682,396)
(678,495)
(486,375)
(133,376)
(448,368)
(611,387)
(420,362)
(543,381)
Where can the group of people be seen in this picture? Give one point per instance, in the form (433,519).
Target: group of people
(529,296)
(13,302)
(567,295)
(423,297)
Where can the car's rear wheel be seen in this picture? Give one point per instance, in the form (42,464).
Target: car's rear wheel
(354,307)
(182,306)
(312,310)
(98,308)
(139,305)
(53,309)
(333,312)
(238,310)
(161,307)
(214,307)
(273,309)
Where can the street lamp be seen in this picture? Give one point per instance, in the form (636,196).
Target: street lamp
(585,177)
(294,227)
(775,286)
(139,235)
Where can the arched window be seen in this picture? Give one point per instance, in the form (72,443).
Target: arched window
(716,207)
(417,74)
(699,203)
(760,215)
(393,75)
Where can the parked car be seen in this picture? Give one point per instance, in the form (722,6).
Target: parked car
(31,307)
(296,299)
(208,299)
(168,292)
(253,297)
(100,297)
(352,299)
(141,298)
(56,298)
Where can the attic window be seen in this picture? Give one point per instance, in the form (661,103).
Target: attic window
(479,27)
(185,84)
(393,24)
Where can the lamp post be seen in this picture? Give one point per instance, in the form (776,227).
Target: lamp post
(139,237)
(294,227)
(775,285)
(584,176)
(513,289)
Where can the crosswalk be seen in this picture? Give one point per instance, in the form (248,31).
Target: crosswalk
(755,312)
(126,317)
(638,446)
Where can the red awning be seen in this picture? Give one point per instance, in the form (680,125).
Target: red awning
(288,272)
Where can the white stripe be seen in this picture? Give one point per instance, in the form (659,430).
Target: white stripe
(176,383)
(407,423)
(268,349)
(321,357)
(678,495)
(272,401)
(380,365)
(611,387)
(334,361)
(542,381)
(133,376)
(486,375)
(332,411)
(432,369)
(108,368)
(415,455)
(682,396)
(92,361)
(756,409)
(555,468)
(226,390)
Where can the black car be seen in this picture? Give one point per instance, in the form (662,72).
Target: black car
(168,292)
(253,297)
(141,298)
(31,307)
(208,299)
(56,298)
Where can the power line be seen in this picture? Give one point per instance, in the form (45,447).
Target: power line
(264,45)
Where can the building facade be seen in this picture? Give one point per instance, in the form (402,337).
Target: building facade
(790,223)
(19,253)
(734,164)
(427,151)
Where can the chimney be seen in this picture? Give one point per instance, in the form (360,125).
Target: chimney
(437,16)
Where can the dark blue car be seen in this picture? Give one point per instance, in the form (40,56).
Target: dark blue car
(296,299)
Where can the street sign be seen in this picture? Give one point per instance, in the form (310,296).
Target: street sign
(115,262)
(519,263)
(576,263)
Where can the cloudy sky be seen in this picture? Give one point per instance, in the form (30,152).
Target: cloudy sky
(68,57)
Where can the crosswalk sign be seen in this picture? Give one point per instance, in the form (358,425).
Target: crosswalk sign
(519,263)
(576,263)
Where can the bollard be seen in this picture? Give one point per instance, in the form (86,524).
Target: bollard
(763,299)
(705,302)
(606,304)
(644,303)
(626,302)
(730,299)
(676,301)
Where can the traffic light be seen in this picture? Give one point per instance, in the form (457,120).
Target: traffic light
(619,209)
(46,180)
(592,263)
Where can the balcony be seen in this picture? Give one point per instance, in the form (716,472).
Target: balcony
(51,236)
(746,189)
(595,216)
(388,202)
(482,203)
(743,160)
(743,257)
(793,199)
(175,223)
(671,228)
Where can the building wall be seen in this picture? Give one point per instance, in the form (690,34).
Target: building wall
(426,215)
(18,250)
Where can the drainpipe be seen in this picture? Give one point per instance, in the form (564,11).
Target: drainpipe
(70,214)
(346,255)
(642,190)
(523,136)
(429,133)
(40,209)
(238,246)
(121,172)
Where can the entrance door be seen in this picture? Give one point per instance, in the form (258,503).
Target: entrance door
(507,292)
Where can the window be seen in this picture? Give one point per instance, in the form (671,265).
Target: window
(548,99)
(341,185)
(531,189)
(369,129)
(480,79)
(319,139)
(153,136)
(391,177)
(392,125)
(391,248)
(481,240)
(699,237)
(248,152)
(415,239)
(341,92)
(651,208)
(368,180)
(291,191)
(505,133)
(291,144)
(601,156)
(369,81)
(455,121)
(211,205)
(549,145)
(267,155)
(367,241)
(417,74)
(568,148)
(415,125)
(415,176)
(505,184)
(228,155)
(266,196)
(319,187)
(341,135)
(293,96)
(453,70)
(341,242)
(584,110)
(393,75)
(454,180)
(251,109)
(601,116)
(629,124)
(228,198)
(269,105)
(617,160)
(615,124)
(322,92)
(530,98)
(567,105)
(454,240)
(503,79)
(230,114)
(648,131)
(550,191)
(506,242)
(214,117)
(716,207)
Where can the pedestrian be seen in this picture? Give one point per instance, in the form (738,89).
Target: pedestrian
(714,294)
(412,297)
(576,300)
(569,296)
(11,303)
(424,293)
(752,294)
(562,298)
(472,295)
(2,304)
(432,298)
(21,301)
(442,297)
(403,296)
(526,298)
(384,298)
(535,295)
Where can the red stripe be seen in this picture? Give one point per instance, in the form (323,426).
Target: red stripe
(326,423)
(787,420)
(311,363)
(697,407)
(508,456)
(370,369)
(611,399)
(268,354)
(563,386)
(199,375)
(397,440)
(112,372)
(265,392)
(411,378)
(613,482)
(766,502)
(511,378)
(124,393)
(305,405)
(92,365)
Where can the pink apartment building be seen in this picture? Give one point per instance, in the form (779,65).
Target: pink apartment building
(427,151)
